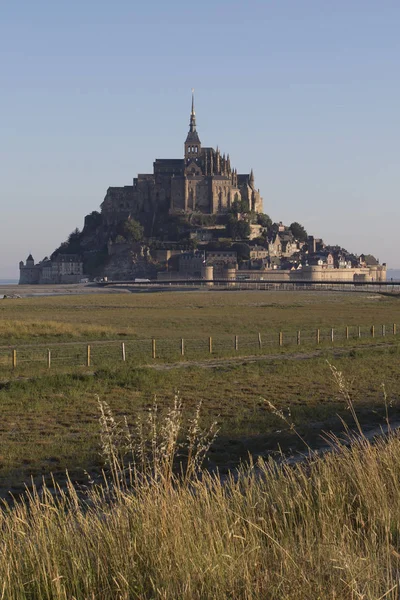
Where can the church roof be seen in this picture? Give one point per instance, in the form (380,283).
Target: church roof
(192,138)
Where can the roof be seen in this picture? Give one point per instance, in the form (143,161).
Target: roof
(369,259)
(192,138)
(67,258)
(30,257)
(173,162)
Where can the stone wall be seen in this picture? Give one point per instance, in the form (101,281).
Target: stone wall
(320,273)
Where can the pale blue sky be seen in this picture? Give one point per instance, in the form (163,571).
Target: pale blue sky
(306,92)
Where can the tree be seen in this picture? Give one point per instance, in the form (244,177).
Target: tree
(242,251)
(299,232)
(264,220)
(243,230)
(236,205)
(120,239)
(237,229)
(133,230)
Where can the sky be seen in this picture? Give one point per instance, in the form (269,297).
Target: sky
(305,92)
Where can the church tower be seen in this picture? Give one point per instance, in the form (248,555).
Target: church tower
(192,143)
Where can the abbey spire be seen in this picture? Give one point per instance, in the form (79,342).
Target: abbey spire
(192,115)
(192,143)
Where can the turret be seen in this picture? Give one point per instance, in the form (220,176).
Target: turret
(251,179)
(29,261)
(218,162)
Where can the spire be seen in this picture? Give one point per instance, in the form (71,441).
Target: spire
(193,115)
(251,178)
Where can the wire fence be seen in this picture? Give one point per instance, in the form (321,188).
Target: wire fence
(32,358)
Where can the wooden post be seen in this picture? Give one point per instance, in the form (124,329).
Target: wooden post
(394,329)
(14,359)
(210,345)
(48,358)
(123,354)
(332,335)
(383,330)
(280,338)
(359,331)
(298,338)
(236,342)
(153,348)
(318,336)
(259,341)
(88,356)
(347,333)
(373,330)
(182,347)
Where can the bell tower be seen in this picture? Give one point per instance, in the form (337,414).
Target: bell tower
(192,143)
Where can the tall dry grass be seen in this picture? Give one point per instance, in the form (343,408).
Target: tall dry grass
(326,528)
(19,330)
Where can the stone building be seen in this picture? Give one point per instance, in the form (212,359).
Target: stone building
(64,268)
(202,181)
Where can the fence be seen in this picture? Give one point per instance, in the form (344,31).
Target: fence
(96,354)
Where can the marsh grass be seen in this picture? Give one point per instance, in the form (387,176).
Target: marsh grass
(326,528)
(49,422)
(16,330)
(196,314)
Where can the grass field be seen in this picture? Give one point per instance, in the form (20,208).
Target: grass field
(186,314)
(50,422)
(323,529)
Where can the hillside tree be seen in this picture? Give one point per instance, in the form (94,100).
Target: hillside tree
(299,232)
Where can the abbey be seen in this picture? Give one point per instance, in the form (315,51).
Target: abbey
(203,181)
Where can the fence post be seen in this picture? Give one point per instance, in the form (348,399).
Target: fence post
(153,348)
(359,331)
(14,359)
(236,342)
(394,329)
(123,351)
(347,333)
(280,338)
(48,358)
(332,334)
(259,341)
(383,330)
(318,336)
(373,330)
(88,356)
(182,347)
(210,345)
(298,338)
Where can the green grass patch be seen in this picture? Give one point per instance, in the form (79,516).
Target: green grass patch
(50,423)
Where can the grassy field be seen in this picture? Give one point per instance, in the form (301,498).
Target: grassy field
(323,529)
(186,314)
(50,423)
(326,528)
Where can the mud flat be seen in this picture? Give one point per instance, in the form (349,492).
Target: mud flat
(29,291)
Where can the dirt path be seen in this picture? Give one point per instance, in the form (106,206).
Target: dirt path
(213,363)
